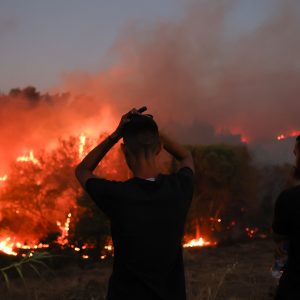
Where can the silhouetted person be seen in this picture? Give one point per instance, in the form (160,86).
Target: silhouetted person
(286,229)
(147,212)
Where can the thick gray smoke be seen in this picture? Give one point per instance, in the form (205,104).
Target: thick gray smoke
(201,83)
(189,71)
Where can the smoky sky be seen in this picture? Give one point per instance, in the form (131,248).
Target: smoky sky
(187,71)
(201,83)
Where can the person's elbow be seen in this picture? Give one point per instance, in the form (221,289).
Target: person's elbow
(187,161)
(83,174)
(185,155)
(189,154)
(79,170)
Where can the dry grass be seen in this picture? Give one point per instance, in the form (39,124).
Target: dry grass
(236,272)
(241,271)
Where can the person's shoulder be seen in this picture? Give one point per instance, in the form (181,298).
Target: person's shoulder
(102,182)
(283,195)
(293,194)
(182,179)
(182,172)
(289,192)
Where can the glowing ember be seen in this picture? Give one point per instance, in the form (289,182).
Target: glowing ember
(38,246)
(28,158)
(63,238)
(251,231)
(109,247)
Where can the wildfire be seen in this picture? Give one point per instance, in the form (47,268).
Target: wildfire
(199,240)
(293,133)
(12,246)
(3,178)
(63,238)
(28,158)
(82,142)
(9,246)
(6,246)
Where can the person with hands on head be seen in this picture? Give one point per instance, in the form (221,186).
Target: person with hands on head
(147,212)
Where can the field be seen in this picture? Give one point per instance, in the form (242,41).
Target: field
(233,272)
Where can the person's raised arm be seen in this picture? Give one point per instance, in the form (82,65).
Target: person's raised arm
(85,169)
(180,153)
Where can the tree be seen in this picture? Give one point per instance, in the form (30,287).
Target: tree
(226,187)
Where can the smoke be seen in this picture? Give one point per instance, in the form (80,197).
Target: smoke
(200,82)
(190,71)
(8,25)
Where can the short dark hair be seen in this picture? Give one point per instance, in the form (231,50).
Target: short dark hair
(141,135)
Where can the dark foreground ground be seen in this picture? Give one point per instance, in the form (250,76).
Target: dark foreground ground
(239,271)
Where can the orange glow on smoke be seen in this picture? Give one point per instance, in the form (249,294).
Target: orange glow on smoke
(244,139)
(234,131)
(292,133)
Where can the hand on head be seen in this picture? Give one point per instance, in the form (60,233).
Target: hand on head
(127,117)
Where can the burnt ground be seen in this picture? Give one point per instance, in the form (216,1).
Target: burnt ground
(239,271)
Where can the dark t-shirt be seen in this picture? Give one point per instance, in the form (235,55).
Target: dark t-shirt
(147,226)
(287,222)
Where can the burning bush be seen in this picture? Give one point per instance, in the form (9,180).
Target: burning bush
(226,194)
(42,204)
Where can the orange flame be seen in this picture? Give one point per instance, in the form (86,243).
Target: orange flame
(293,133)
(6,246)
(199,240)
(82,139)
(28,158)
(9,246)
(3,178)
(63,238)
